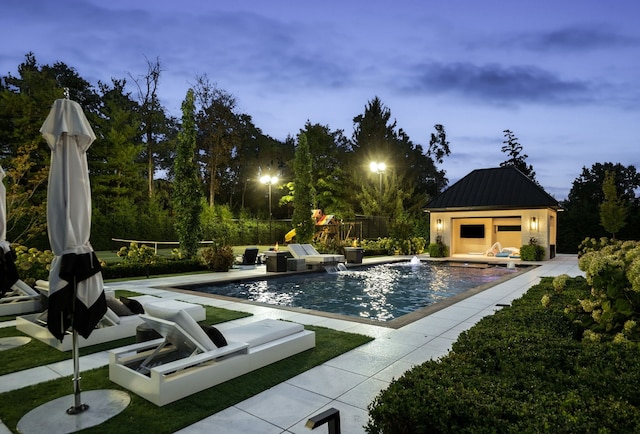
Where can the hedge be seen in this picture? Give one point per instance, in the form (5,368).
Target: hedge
(523,370)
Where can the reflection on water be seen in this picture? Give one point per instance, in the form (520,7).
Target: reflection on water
(380,292)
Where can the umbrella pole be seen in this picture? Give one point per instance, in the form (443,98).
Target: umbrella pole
(78,406)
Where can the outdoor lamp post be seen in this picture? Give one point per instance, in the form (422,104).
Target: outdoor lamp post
(269,180)
(378,168)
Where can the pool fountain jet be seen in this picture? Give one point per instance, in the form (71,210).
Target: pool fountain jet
(333,269)
(415,261)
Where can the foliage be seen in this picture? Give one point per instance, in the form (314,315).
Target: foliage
(611,310)
(304,192)
(532,251)
(516,159)
(218,258)
(582,217)
(388,246)
(187,185)
(32,264)
(521,370)
(612,210)
(438,249)
(128,270)
(138,254)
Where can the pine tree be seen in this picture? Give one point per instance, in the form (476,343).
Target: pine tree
(187,195)
(613,212)
(303,193)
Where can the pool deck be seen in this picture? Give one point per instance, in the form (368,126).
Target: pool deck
(348,382)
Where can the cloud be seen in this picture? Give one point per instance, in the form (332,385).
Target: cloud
(495,83)
(575,38)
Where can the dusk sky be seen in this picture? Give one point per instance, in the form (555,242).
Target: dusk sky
(562,75)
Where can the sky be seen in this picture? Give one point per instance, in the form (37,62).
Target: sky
(562,75)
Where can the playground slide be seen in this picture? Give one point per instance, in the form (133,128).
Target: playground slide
(289,236)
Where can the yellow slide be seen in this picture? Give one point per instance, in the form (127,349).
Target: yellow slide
(289,236)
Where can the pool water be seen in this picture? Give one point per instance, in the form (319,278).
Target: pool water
(379,292)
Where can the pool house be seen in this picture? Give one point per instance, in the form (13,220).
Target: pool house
(494,207)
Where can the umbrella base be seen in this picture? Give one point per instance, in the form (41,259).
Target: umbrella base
(54,416)
(13,342)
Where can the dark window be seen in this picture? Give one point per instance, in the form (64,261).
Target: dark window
(471,231)
(511,228)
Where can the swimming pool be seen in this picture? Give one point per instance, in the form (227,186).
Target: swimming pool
(381,292)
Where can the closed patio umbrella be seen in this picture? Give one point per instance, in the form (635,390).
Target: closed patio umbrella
(76,291)
(8,270)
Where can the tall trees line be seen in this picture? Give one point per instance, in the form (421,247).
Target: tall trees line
(132,166)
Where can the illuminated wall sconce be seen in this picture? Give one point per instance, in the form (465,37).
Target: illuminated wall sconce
(534,224)
(439,225)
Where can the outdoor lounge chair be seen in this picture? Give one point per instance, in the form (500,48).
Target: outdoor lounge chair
(499,252)
(22,299)
(186,360)
(312,257)
(114,325)
(250,256)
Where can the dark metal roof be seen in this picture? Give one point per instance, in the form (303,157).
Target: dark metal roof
(497,188)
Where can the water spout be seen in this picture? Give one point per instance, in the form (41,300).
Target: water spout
(415,261)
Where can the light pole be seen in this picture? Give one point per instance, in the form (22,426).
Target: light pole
(378,168)
(269,180)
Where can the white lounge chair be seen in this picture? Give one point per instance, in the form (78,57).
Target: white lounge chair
(312,257)
(110,328)
(186,361)
(21,299)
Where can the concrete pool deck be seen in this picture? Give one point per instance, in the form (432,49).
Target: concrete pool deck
(348,382)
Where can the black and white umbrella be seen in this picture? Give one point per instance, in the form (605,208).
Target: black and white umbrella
(8,270)
(76,291)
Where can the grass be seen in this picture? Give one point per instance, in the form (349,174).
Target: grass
(143,416)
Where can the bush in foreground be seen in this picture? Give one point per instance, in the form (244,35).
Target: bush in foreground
(525,369)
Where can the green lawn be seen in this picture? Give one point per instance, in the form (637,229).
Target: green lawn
(142,416)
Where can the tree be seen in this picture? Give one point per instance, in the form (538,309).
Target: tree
(516,159)
(156,127)
(304,191)
(582,218)
(328,150)
(186,195)
(612,211)
(438,145)
(219,134)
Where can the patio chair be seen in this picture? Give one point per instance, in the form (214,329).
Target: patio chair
(312,257)
(186,360)
(22,299)
(250,256)
(115,324)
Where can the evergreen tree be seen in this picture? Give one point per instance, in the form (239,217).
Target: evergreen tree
(613,212)
(187,195)
(304,192)
(516,158)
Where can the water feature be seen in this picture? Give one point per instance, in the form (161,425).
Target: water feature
(379,292)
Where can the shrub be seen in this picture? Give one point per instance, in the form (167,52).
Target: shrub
(521,370)
(438,249)
(32,264)
(532,251)
(218,258)
(138,254)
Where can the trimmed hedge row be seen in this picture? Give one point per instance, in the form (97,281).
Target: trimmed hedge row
(125,270)
(522,370)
